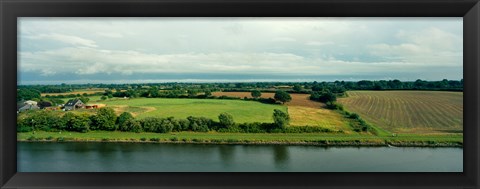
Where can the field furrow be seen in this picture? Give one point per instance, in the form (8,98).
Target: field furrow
(409,111)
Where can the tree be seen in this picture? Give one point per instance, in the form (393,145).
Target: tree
(81,123)
(208,93)
(122,119)
(297,88)
(191,92)
(256,94)
(282,96)
(27,94)
(43,104)
(226,120)
(133,125)
(280,118)
(74,122)
(323,96)
(84,99)
(104,119)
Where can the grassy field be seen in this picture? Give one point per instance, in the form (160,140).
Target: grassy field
(304,111)
(456,139)
(409,111)
(242,111)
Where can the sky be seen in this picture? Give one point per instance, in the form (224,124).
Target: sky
(146,50)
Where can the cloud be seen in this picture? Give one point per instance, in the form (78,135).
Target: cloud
(110,35)
(284,39)
(69,39)
(308,46)
(430,46)
(317,43)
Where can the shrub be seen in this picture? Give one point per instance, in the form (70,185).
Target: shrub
(23,125)
(282,96)
(200,124)
(280,118)
(122,119)
(105,119)
(226,120)
(143,139)
(323,96)
(74,122)
(354,116)
(334,106)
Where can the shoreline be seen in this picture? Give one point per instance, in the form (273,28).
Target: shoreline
(296,143)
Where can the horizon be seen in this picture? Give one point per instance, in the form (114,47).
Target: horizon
(104,50)
(218,82)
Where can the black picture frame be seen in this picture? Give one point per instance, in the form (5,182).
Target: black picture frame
(12,9)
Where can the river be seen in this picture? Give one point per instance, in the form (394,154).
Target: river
(148,157)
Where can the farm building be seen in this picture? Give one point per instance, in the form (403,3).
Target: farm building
(30,102)
(74,104)
(26,107)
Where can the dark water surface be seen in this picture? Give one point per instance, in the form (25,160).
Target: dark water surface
(144,157)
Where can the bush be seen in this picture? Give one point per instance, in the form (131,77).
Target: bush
(42,120)
(334,106)
(143,139)
(79,123)
(200,124)
(280,118)
(23,125)
(323,96)
(122,119)
(354,116)
(282,96)
(226,120)
(105,119)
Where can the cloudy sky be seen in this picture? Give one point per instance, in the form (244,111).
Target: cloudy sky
(118,50)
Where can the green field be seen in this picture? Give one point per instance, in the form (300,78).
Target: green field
(409,111)
(242,111)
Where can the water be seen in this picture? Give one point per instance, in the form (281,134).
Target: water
(141,157)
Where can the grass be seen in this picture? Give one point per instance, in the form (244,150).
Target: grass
(242,111)
(236,137)
(302,116)
(304,111)
(409,111)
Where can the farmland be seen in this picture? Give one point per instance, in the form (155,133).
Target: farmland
(80,92)
(242,111)
(409,111)
(303,111)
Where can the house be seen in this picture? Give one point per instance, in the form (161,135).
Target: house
(25,107)
(74,104)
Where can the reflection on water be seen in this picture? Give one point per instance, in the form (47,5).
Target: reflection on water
(138,157)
